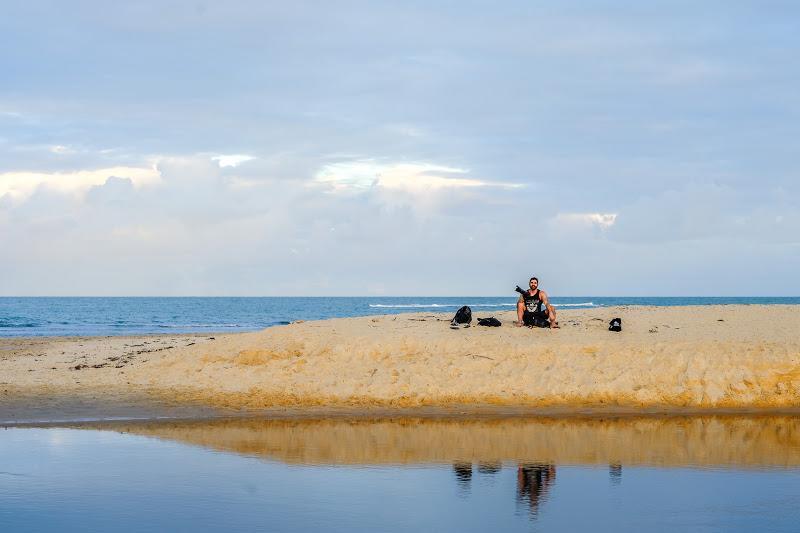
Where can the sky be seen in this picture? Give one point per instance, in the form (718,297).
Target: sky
(399,148)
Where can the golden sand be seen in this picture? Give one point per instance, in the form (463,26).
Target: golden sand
(671,358)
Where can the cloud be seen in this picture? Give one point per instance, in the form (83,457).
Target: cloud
(10,114)
(598,220)
(19,186)
(200,232)
(61,149)
(416,178)
(444,145)
(232,160)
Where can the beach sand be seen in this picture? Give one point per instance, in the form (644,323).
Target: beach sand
(702,358)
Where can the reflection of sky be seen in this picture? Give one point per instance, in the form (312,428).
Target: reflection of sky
(59,479)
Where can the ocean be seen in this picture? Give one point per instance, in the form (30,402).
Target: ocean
(96,316)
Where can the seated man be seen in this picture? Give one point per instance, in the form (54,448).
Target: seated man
(529,308)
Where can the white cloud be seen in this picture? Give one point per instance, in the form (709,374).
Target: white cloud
(406,177)
(10,114)
(20,185)
(232,160)
(599,220)
(61,149)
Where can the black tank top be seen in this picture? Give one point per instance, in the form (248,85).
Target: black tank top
(533,304)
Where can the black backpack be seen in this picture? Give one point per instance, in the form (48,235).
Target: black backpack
(491,322)
(615,325)
(463,317)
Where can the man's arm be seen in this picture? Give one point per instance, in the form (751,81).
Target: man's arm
(551,312)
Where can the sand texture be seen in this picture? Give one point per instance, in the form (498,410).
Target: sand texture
(710,441)
(669,358)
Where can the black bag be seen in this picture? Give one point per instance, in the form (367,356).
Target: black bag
(535,320)
(491,322)
(615,325)
(463,317)
(541,323)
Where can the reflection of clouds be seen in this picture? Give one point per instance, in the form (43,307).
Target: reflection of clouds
(55,438)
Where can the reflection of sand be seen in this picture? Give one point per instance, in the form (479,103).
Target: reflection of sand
(664,441)
(709,357)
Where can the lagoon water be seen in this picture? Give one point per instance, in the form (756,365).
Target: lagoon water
(697,474)
(71,316)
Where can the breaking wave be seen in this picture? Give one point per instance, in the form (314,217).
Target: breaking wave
(428,306)
(420,306)
(166,326)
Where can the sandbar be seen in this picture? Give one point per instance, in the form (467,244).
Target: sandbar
(726,358)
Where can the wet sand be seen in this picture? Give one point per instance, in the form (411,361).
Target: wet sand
(666,359)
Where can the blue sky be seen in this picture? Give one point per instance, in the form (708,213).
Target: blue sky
(337,148)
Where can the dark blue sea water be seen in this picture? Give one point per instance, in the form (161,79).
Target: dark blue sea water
(70,316)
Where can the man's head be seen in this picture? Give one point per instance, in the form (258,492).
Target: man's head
(534,283)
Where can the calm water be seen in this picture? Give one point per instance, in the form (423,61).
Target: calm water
(130,316)
(705,474)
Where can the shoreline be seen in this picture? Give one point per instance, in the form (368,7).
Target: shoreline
(693,360)
(455,415)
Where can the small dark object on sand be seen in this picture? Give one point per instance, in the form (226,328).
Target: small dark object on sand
(615,325)
(462,319)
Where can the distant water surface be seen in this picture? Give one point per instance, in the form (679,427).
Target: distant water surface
(657,474)
(70,316)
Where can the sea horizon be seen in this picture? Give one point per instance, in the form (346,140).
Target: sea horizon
(68,316)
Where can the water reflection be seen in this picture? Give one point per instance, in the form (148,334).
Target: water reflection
(477,474)
(533,485)
(533,481)
(615,473)
(741,441)
(463,472)
(489,468)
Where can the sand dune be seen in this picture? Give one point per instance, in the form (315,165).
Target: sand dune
(705,357)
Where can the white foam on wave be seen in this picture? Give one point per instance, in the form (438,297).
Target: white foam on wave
(415,306)
(198,325)
(423,306)
(410,306)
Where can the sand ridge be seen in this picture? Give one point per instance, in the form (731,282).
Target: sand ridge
(702,357)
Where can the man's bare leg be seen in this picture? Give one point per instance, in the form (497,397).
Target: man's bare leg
(520,312)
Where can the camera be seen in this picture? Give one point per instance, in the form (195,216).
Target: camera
(521,291)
